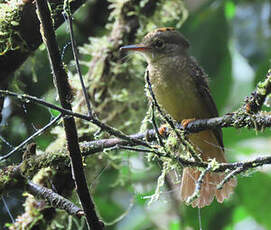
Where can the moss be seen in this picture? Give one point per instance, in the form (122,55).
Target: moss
(9,179)
(36,212)
(32,165)
(10,15)
(262,86)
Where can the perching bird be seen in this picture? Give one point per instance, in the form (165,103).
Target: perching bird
(180,87)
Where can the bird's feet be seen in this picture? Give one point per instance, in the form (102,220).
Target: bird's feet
(185,122)
(162,130)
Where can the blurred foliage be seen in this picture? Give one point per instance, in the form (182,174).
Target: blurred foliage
(231,41)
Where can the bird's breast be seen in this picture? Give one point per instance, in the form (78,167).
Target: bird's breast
(175,91)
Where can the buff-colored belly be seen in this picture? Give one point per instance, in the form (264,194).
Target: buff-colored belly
(178,98)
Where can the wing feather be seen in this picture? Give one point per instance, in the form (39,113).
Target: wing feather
(200,79)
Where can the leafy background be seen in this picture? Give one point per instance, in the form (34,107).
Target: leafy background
(231,40)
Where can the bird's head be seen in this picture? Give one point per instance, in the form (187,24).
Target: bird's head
(160,43)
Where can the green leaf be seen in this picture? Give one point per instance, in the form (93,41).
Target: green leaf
(254,195)
(229,9)
(108,208)
(239,214)
(54,113)
(175,225)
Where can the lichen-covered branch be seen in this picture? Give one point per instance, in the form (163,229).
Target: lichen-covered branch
(54,199)
(60,161)
(20,32)
(199,182)
(13,176)
(238,119)
(255,101)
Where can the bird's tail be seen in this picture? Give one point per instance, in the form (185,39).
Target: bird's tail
(208,188)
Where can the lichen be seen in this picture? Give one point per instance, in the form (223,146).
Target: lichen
(10,15)
(33,213)
(262,86)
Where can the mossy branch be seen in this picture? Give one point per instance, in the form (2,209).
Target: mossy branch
(20,32)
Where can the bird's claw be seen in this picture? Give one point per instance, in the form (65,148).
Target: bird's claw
(185,122)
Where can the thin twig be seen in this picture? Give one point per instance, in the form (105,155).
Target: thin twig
(229,176)
(68,18)
(199,182)
(7,208)
(27,140)
(28,98)
(1,107)
(158,136)
(136,149)
(92,147)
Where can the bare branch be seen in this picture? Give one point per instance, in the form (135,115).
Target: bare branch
(68,18)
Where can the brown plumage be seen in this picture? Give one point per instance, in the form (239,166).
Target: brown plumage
(181,89)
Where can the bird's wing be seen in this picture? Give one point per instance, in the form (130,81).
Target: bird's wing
(200,79)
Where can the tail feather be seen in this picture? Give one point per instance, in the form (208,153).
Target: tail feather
(208,189)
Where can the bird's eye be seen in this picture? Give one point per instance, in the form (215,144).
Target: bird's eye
(158,44)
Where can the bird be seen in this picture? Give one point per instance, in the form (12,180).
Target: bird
(181,89)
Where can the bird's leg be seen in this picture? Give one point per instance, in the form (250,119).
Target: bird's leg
(185,122)
(162,130)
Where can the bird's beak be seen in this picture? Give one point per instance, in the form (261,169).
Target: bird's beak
(137,47)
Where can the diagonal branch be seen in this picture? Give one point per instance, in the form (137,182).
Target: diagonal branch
(55,200)
(27,140)
(68,18)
